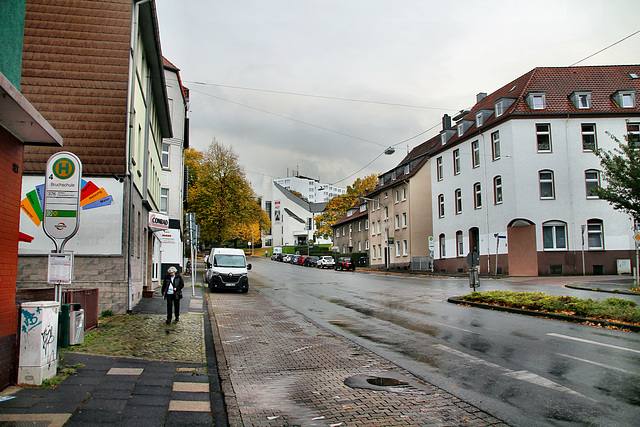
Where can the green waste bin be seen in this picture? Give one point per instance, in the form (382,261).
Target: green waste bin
(63,323)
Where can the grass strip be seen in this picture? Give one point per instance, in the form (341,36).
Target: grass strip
(612,309)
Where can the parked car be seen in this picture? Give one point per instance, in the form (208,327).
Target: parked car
(286,258)
(311,261)
(345,263)
(279,257)
(326,261)
(301,259)
(294,259)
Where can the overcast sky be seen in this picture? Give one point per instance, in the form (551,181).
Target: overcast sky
(430,57)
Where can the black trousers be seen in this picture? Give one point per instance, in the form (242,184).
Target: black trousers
(173,304)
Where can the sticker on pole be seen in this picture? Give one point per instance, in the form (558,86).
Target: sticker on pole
(62,198)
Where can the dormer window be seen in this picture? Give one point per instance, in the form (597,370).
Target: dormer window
(482,116)
(460,129)
(443,138)
(502,104)
(464,125)
(536,100)
(625,98)
(479,119)
(581,99)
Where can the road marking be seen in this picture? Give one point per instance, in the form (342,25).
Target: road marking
(566,337)
(527,376)
(602,365)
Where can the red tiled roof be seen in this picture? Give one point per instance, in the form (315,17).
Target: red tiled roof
(558,83)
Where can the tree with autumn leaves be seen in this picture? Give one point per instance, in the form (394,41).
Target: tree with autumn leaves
(340,204)
(225,205)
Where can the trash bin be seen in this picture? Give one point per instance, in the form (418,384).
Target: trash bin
(76,327)
(38,339)
(64,327)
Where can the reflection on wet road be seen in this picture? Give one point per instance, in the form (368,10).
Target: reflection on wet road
(524,370)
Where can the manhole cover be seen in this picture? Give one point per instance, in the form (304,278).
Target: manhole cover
(388,381)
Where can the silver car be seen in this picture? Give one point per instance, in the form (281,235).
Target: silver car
(326,261)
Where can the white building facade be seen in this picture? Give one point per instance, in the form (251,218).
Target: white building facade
(512,180)
(311,189)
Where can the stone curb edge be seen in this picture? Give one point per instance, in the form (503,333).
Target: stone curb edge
(575,319)
(584,288)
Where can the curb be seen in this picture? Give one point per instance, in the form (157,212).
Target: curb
(615,291)
(574,319)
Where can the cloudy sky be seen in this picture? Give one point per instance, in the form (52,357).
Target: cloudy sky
(324,86)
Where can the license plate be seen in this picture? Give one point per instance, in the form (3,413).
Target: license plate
(229,284)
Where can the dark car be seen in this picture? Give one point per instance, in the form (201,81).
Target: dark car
(294,259)
(301,259)
(311,261)
(345,263)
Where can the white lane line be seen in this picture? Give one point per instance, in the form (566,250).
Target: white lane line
(602,365)
(527,376)
(566,337)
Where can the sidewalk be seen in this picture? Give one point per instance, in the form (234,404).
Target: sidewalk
(169,377)
(285,370)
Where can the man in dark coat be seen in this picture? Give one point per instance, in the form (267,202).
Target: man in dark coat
(172,292)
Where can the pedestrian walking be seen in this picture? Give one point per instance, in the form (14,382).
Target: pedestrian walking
(172,291)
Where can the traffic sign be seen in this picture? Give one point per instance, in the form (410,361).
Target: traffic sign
(432,244)
(62,198)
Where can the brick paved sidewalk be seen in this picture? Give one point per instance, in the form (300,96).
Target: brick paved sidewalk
(285,370)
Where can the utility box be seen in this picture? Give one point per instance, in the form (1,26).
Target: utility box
(76,327)
(624,266)
(38,341)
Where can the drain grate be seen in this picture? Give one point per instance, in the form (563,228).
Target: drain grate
(389,381)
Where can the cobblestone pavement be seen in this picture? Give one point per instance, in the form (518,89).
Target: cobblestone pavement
(147,336)
(285,371)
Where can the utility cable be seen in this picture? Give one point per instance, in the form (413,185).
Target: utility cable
(602,50)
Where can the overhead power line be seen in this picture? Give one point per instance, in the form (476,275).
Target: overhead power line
(602,50)
(393,104)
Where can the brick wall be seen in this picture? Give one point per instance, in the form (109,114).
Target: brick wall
(10,191)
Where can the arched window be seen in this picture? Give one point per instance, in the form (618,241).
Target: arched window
(441,206)
(459,243)
(458,196)
(554,235)
(443,248)
(497,190)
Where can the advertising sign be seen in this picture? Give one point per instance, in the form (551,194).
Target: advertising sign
(62,198)
(277,214)
(158,221)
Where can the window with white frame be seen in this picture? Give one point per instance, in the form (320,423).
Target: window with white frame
(165,156)
(397,222)
(359,225)
(497,190)
(633,134)
(404,193)
(475,154)
(554,235)
(458,198)
(592,181)
(595,235)
(398,249)
(375,252)
(537,102)
(495,145)
(547,186)
(543,137)
(589,142)
(386,212)
(479,119)
(627,100)
(441,205)
(337,232)
(164,200)
(499,108)
(404,220)
(459,243)
(380,251)
(359,246)
(477,195)
(397,196)
(405,247)
(366,245)
(456,161)
(379,227)
(439,171)
(366,225)
(584,101)
(442,245)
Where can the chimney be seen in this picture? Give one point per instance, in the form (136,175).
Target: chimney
(481,96)
(446,122)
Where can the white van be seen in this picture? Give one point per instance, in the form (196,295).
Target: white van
(227,269)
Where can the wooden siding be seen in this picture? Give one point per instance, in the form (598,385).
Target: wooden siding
(74,71)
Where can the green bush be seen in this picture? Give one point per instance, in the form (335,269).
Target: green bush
(609,309)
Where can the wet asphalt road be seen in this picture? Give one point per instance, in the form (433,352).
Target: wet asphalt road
(524,370)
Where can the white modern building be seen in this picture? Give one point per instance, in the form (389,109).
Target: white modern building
(512,179)
(292,219)
(311,189)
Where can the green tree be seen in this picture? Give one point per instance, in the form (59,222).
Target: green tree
(220,194)
(621,171)
(339,205)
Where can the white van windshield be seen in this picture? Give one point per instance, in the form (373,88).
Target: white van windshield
(228,261)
